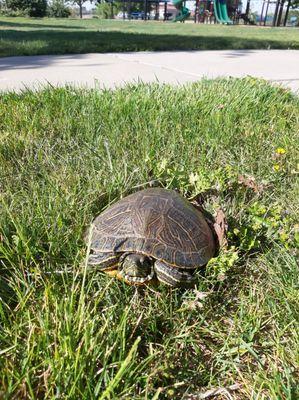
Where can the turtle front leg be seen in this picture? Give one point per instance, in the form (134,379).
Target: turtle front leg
(103,261)
(173,276)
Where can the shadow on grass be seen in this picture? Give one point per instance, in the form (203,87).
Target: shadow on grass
(38,25)
(14,43)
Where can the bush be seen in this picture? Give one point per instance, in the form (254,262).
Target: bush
(8,12)
(104,11)
(37,8)
(34,8)
(58,9)
(16,5)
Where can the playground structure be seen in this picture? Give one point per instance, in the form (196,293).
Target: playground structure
(220,11)
(207,11)
(218,8)
(183,12)
(277,19)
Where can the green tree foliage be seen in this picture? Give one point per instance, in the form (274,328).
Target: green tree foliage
(106,10)
(35,8)
(58,9)
(295,4)
(16,4)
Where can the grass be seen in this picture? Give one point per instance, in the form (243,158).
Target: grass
(66,154)
(24,36)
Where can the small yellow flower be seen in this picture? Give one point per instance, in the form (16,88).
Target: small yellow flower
(170,392)
(276,167)
(283,236)
(280,150)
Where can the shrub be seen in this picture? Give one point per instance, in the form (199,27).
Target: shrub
(34,8)
(37,8)
(58,9)
(8,12)
(16,4)
(104,10)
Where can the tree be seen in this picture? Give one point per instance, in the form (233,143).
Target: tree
(80,4)
(35,8)
(58,9)
(106,10)
(16,4)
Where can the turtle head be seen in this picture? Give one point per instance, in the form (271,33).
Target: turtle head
(136,268)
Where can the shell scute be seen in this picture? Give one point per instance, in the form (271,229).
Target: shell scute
(157,222)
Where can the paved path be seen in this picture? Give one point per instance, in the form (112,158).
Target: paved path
(115,69)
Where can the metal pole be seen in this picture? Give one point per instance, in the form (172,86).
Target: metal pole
(274,23)
(287,13)
(266,13)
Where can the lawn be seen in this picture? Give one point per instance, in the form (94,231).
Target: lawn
(24,36)
(70,332)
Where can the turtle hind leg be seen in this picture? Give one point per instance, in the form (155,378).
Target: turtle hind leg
(103,261)
(173,276)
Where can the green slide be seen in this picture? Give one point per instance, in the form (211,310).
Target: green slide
(220,10)
(217,12)
(183,13)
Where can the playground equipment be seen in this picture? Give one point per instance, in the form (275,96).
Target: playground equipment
(220,11)
(277,19)
(183,12)
(206,11)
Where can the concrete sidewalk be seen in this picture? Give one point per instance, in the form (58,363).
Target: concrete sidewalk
(115,69)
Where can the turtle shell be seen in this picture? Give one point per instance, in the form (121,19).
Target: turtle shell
(159,223)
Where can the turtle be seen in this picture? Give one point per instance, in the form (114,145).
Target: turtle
(154,235)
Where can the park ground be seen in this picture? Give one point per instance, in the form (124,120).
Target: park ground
(21,36)
(69,332)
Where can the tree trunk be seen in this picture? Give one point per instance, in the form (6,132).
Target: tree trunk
(247,8)
(80,9)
